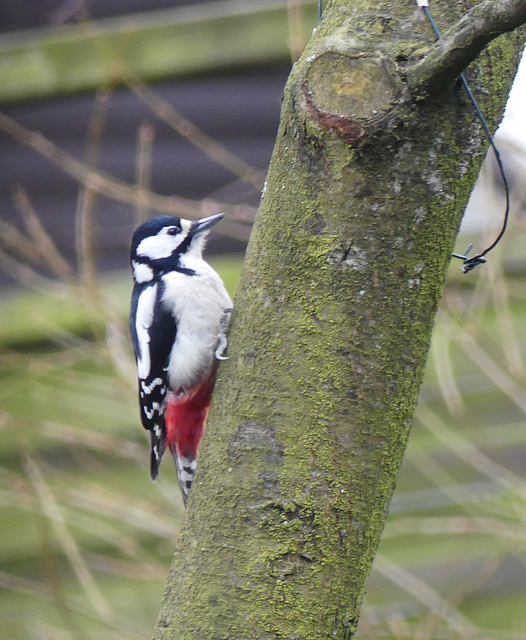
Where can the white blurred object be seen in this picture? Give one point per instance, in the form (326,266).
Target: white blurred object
(485,209)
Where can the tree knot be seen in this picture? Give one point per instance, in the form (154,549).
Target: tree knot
(350,94)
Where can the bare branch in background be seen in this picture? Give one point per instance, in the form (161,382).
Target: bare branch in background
(108,186)
(15,241)
(210,147)
(296,40)
(66,10)
(427,596)
(45,247)
(37,249)
(26,275)
(168,114)
(51,509)
(87,201)
(143,168)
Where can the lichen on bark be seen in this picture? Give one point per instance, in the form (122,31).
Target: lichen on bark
(335,308)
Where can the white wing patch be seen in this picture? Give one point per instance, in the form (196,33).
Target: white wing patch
(156,407)
(146,389)
(141,272)
(143,322)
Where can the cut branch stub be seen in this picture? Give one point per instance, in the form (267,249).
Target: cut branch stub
(351,95)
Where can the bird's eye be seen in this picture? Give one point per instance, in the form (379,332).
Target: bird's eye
(172,231)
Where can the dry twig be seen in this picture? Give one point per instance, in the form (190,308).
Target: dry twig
(110,187)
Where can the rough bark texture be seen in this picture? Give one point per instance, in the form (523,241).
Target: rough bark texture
(334,314)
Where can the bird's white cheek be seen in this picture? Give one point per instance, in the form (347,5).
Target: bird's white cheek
(158,247)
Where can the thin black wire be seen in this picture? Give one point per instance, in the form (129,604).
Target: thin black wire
(471,263)
(320,9)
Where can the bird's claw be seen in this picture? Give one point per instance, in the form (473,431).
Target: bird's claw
(222,341)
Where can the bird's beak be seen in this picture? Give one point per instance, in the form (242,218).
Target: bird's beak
(199,226)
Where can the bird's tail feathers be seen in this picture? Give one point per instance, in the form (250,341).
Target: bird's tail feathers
(185,468)
(158,445)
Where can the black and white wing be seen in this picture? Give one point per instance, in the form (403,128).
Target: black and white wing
(153,332)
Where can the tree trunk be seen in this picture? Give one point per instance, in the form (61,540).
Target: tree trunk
(373,165)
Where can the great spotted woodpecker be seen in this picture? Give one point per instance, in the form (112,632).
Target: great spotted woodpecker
(178,316)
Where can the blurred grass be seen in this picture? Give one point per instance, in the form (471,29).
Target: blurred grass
(88,556)
(87,538)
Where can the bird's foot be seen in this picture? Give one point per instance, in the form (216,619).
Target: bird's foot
(222,341)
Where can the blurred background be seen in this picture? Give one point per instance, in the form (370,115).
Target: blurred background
(112,112)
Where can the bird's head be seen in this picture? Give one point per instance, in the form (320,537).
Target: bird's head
(161,243)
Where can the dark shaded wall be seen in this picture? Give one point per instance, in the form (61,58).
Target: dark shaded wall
(239,109)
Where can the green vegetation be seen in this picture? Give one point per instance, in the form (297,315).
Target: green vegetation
(87,538)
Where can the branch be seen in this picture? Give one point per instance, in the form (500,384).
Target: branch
(108,186)
(43,246)
(86,212)
(213,149)
(461,44)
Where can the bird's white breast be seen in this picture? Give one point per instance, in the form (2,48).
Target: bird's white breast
(197,303)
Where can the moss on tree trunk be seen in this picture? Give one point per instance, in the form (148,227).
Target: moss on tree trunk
(335,309)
